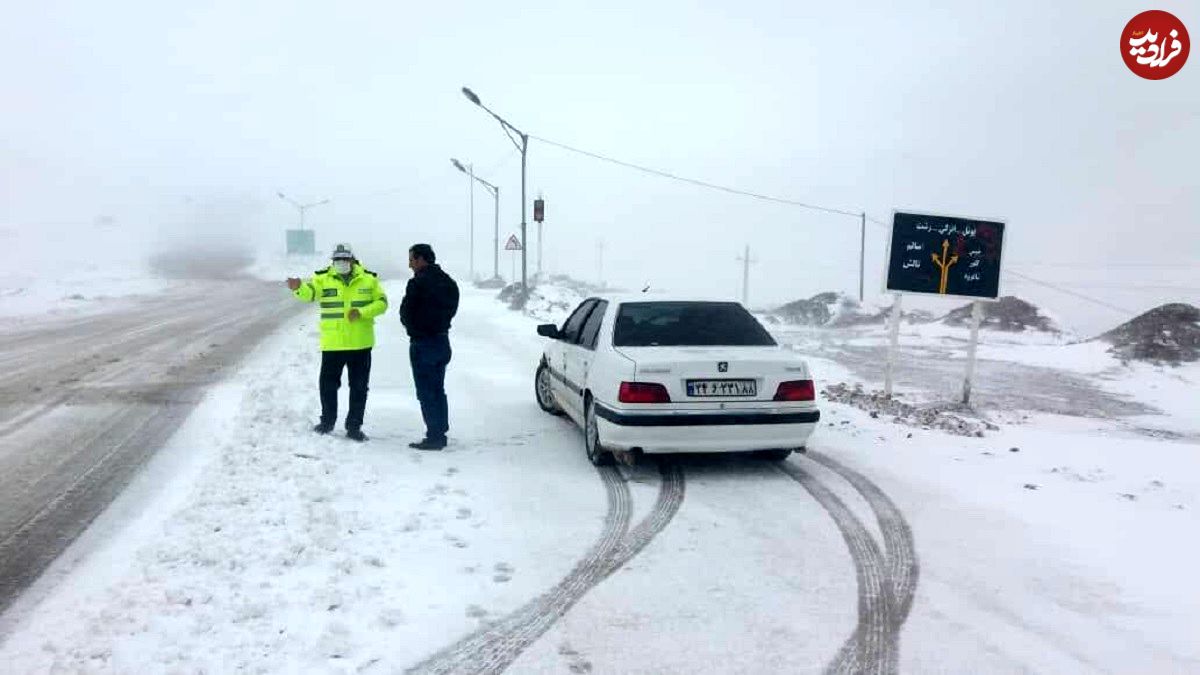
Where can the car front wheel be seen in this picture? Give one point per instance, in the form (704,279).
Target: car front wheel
(544,391)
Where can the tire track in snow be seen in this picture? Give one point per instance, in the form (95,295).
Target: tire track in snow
(493,648)
(904,567)
(868,648)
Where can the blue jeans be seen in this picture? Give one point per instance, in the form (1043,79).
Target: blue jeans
(429,357)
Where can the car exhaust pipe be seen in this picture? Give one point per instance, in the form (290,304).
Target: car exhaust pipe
(628,457)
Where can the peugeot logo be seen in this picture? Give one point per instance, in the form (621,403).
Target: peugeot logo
(722,366)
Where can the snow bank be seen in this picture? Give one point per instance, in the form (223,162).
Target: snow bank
(1009,314)
(1166,334)
(876,403)
(78,290)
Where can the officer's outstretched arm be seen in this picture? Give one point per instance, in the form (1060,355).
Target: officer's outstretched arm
(307,290)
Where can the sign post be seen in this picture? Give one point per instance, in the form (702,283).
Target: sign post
(539,215)
(976,317)
(513,244)
(949,256)
(893,342)
(301,242)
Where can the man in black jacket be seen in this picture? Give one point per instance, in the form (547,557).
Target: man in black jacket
(430,302)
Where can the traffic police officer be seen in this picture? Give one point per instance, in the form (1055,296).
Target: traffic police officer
(350,298)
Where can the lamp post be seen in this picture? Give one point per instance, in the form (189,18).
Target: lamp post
(467,169)
(470,171)
(523,146)
(301,207)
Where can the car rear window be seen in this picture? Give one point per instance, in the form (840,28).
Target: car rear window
(688,324)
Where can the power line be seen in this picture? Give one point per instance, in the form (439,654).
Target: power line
(499,163)
(1107,265)
(813,207)
(1080,296)
(1131,287)
(693,181)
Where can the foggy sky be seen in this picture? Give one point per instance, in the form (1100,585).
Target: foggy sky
(181,122)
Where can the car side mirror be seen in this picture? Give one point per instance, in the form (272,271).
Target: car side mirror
(548,330)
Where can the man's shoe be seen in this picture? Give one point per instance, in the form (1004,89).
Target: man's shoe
(356,435)
(429,444)
(323,428)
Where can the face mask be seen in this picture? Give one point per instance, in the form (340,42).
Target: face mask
(342,266)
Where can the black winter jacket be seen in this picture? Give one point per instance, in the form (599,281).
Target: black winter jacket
(430,302)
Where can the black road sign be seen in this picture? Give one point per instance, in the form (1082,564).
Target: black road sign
(944,255)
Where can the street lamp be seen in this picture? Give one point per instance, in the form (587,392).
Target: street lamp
(301,207)
(469,170)
(523,146)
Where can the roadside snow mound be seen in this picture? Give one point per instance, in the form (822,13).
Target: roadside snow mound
(580,287)
(1166,334)
(548,303)
(494,282)
(828,309)
(1009,313)
(928,417)
(838,310)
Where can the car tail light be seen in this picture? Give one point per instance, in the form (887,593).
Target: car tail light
(643,392)
(796,390)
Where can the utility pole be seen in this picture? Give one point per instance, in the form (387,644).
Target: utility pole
(496,235)
(862,259)
(746,262)
(524,239)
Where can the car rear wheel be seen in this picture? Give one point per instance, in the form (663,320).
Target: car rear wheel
(596,453)
(775,454)
(545,394)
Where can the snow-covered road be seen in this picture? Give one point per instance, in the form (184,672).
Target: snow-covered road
(251,545)
(85,400)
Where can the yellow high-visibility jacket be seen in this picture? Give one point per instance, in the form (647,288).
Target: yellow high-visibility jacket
(337,298)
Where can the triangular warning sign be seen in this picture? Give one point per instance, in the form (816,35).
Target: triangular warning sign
(513,243)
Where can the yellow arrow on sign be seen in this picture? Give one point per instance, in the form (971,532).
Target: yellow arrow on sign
(944,264)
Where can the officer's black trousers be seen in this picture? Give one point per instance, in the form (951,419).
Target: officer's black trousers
(358,363)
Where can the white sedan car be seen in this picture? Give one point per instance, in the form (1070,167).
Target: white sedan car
(642,374)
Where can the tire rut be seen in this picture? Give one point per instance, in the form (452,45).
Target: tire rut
(905,568)
(494,648)
(873,646)
(887,578)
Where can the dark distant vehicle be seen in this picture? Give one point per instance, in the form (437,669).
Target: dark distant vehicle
(643,375)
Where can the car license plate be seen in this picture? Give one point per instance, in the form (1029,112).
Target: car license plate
(721,388)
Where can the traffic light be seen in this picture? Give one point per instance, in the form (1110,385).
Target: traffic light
(539,210)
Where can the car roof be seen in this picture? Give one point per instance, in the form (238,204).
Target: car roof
(627,298)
